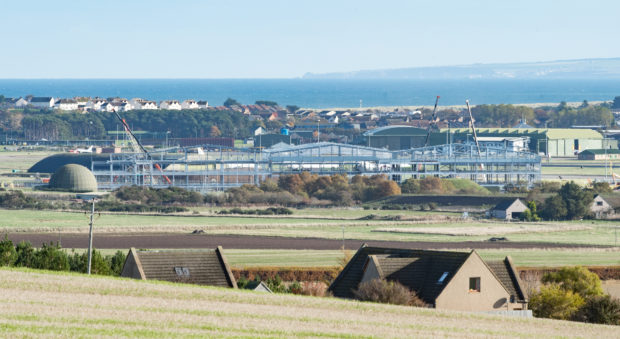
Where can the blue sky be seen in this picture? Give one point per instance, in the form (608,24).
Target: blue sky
(281,39)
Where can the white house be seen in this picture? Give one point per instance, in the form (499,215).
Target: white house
(189,104)
(42,102)
(149,105)
(66,105)
(170,104)
(21,102)
(119,106)
(600,207)
(95,104)
(202,104)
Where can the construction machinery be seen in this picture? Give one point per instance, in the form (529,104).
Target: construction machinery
(138,148)
(431,123)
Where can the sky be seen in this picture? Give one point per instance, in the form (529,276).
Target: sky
(285,39)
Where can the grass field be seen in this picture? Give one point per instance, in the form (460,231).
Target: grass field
(596,233)
(46,304)
(245,258)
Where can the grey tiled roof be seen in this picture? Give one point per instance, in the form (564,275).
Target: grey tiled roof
(419,270)
(203,267)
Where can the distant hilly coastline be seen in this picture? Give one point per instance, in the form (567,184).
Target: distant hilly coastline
(561,69)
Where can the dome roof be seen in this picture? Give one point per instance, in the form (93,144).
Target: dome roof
(73,178)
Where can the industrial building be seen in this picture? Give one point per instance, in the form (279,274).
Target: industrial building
(219,168)
(552,142)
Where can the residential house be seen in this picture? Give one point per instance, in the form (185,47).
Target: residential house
(120,106)
(95,104)
(170,104)
(20,102)
(202,267)
(508,209)
(42,102)
(442,279)
(66,105)
(137,103)
(189,104)
(600,207)
(203,104)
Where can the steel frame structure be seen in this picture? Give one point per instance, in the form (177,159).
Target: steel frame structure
(218,168)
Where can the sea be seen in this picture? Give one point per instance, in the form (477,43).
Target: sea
(328,93)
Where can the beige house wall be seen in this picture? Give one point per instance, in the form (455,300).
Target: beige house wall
(456,296)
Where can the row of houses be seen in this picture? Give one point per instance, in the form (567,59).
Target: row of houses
(441,279)
(85,104)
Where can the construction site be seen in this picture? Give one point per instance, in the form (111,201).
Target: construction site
(216,168)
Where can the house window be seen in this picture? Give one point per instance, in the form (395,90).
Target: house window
(474,284)
(599,203)
(442,278)
(182,271)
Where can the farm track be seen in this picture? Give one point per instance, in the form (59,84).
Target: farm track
(175,240)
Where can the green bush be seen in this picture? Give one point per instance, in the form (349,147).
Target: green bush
(8,255)
(116,262)
(275,284)
(51,257)
(576,279)
(552,301)
(600,310)
(295,288)
(25,254)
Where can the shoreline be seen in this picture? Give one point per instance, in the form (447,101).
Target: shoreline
(443,107)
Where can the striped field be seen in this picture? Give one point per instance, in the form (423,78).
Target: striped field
(45,304)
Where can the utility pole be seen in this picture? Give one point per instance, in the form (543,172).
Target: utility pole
(90,235)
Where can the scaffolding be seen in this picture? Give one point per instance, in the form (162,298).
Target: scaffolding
(217,168)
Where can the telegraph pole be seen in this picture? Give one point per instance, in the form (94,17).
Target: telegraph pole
(90,234)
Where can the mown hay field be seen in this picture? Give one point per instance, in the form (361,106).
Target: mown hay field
(46,304)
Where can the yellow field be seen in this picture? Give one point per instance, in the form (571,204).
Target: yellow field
(44,304)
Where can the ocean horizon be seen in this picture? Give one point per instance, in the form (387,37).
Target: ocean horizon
(325,93)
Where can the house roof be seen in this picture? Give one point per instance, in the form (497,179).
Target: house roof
(41,99)
(505,272)
(505,204)
(396,130)
(425,272)
(418,270)
(203,267)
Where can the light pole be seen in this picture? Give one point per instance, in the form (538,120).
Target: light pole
(90,234)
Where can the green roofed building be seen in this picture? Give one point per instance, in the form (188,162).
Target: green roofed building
(395,137)
(73,178)
(599,154)
(554,142)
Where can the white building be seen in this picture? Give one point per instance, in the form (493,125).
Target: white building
(42,102)
(170,104)
(21,102)
(189,104)
(202,104)
(119,106)
(66,105)
(95,104)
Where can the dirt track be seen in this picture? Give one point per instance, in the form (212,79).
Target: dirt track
(174,240)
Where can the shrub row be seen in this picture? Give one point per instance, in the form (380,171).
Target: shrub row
(266,211)
(116,206)
(53,257)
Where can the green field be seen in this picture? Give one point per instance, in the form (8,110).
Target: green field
(597,232)
(46,304)
(523,258)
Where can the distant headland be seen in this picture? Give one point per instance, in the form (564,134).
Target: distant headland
(560,69)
